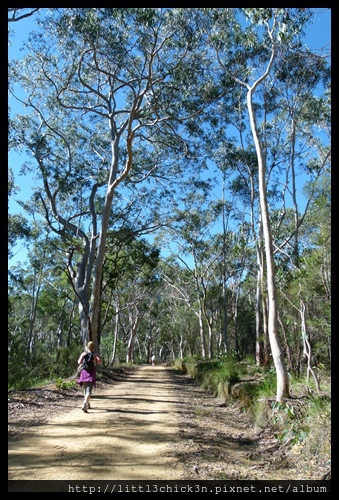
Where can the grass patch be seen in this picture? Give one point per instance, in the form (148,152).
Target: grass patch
(303,420)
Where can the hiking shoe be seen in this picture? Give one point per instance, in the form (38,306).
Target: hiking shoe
(84,409)
(88,405)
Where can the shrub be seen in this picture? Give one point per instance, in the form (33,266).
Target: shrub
(62,384)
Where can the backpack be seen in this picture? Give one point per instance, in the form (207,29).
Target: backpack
(88,362)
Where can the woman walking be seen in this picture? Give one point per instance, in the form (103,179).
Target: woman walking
(87,378)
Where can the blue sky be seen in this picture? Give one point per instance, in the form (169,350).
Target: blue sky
(318,39)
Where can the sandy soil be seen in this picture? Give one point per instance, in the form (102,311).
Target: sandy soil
(125,435)
(153,424)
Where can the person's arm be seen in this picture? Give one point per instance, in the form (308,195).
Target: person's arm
(81,359)
(98,360)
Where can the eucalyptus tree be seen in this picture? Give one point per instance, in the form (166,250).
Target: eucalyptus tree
(38,262)
(181,289)
(177,316)
(129,282)
(45,302)
(306,289)
(300,93)
(205,263)
(184,332)
(19,228)
(240,203)
(212,260)
(239,168)
(19,307)
(193,250)
(253,58)
(137,317)
(302,81)
(107,93)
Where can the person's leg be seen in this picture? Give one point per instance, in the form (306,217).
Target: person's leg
(89,387)
(90,394)
(87,390)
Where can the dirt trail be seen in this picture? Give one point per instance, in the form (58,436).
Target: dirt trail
(152,423)
(129,433)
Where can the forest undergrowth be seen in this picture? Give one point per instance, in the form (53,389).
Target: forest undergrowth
(299,427)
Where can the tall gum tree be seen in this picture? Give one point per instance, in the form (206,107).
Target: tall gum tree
(107,92)
(277,352)
(249,63)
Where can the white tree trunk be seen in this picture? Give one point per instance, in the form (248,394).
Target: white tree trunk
(277,352)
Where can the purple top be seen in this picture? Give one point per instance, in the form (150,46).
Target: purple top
(86,376)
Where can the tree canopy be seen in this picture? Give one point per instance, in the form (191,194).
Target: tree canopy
(168,146)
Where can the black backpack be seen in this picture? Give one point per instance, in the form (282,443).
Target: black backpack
(88,362)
